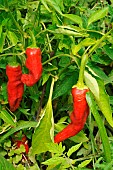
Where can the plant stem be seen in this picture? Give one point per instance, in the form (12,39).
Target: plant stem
(80,83)
(85,56)
(60,55)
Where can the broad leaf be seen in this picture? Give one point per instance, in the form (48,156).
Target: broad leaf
(75,18)
(94,69)
(54,5)
(7,118)
(97,15)
(98,89)
(5,165)
(44,132)
(65,85)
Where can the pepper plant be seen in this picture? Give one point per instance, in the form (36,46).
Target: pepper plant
(56,84)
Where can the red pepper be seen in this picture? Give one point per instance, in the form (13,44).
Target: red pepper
(78,116)
(20,139)
(34,65)
(15,87)
(25,144)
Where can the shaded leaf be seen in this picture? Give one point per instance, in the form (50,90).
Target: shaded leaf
(7,118)
(65,85)
(12,37)
(20,125)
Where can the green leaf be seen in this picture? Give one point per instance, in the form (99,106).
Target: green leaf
(7,118)
(91,82)
(65,85)
(104,103)
(2,41)
(108,51)
(55,148)
(54,5)
(73,149)
(12,37)
(20,125)
(86,42)
(84,163)
(44,133)
(0,30)
(69,32)
(54,160)
(102,130)
(45,5)
(75,18)
(95,70)
(98,89)
(97,15)
(5,165)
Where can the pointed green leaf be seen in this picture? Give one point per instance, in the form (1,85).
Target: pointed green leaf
(98,15)
(54,160)
(73,149)
(44,133)
(75,18)
(12,37)
(65,85)
(84,163)
(98,89)
(7,118)
(86,42)
(104,103)
(20,125)
(102,130)
(54,5)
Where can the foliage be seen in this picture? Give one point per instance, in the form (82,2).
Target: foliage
(67,33)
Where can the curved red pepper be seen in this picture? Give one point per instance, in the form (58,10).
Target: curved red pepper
(34,65)
(15,87)
(78,116)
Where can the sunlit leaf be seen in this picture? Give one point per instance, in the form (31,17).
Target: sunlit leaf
(98,15)
(44,133)
(5,165)
(73,149)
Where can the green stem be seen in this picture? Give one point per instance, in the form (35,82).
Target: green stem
(11,15)
(80,83)
(98,42)
(60,55)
